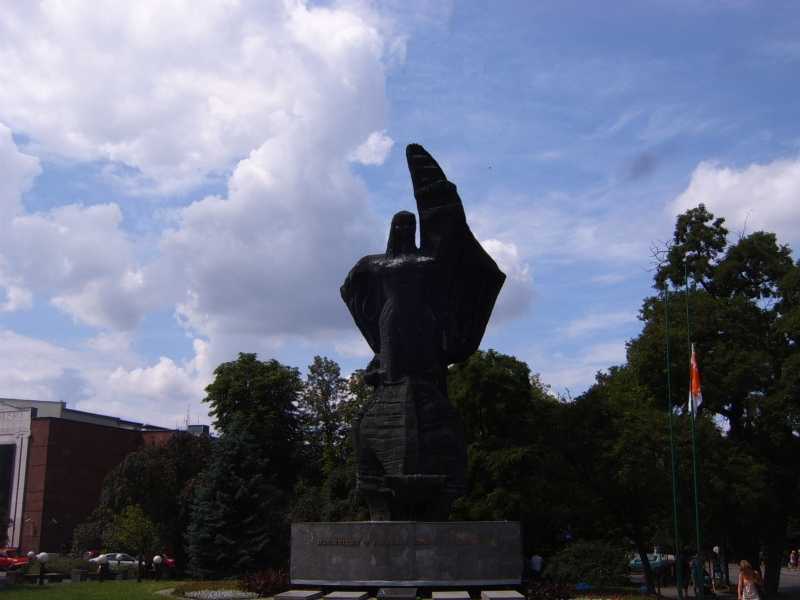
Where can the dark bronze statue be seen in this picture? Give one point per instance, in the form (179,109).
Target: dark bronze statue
(420,310)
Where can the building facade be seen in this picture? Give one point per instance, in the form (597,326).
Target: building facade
(53,461)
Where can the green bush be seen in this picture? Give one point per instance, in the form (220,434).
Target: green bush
(593,562)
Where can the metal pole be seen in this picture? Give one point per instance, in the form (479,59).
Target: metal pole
(699,562)
(678,562)
(698,574)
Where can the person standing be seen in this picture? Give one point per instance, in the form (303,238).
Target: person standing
(683,565)
(102,569)
(536,566)
(749,582)
(793,559)
(716,579)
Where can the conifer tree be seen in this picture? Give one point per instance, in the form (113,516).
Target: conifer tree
(239,521)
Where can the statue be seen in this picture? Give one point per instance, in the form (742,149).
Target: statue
(420,310)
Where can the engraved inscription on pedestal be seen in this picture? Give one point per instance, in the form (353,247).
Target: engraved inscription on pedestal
(406,554)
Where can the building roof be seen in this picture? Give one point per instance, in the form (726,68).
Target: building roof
(59,410)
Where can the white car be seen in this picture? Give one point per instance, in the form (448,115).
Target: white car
(116,561)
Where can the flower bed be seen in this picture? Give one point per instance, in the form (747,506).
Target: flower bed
(212,590)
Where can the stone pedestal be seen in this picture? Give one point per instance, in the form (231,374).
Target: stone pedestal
(406,554)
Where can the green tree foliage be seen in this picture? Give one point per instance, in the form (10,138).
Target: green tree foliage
(321,401)
(255,388)
(514,472)
(239,508)
(132,532)
(158,480)
(618,449)
(326,491)
(593,562)
(744,317)
(241,502)
(89,535)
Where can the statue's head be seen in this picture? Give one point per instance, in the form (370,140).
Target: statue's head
(402,234)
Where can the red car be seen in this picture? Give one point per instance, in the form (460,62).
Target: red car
(11,559)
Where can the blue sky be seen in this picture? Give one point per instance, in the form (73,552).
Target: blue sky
(183,181)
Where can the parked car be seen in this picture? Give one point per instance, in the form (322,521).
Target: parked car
(117,561)
(11,559)
(657,561)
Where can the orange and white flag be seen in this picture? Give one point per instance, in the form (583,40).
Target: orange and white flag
(695,394)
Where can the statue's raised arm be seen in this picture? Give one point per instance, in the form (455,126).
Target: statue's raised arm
(472,279)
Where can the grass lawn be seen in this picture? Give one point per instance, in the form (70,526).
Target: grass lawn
(90,590)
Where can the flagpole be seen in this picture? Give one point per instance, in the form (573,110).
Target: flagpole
(698,571)
(670,412)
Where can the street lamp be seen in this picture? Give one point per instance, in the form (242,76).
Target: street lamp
(42,557)
(157,560)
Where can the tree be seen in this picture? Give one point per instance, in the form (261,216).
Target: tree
(132,532)
(321,400)
(743,307)
(327,491)
(494,394)
(250,386)
(240,505)
(514,471)
(158,480)
(239,510)
(618,448)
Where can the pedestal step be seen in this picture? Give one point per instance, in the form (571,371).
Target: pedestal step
(458,595)
(501,595)
(299,595)
(401,593)
(346,595)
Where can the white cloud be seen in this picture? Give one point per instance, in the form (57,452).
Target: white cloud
(756,197)
(271,256)
(178,92)
(559,228)
(165,379)
(105,378)
(78,256)
(16,298)
(353,347)
(268,257)
(571,373)
(609,278)
(17,172)
(517,292)
(594,322)
(374,150)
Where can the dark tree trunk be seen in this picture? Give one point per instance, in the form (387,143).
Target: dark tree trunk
(648,570)
(774,559)
(726,572)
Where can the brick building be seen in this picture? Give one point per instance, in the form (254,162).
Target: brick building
(53,460)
